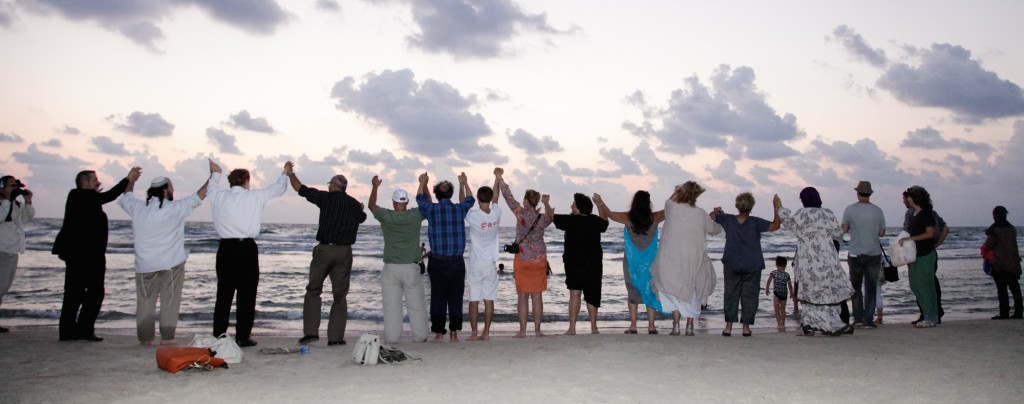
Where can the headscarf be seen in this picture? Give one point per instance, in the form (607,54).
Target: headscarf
(999,215)
(810,198)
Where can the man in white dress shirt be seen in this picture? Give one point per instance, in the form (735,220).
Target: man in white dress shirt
(158,229)
(236,218)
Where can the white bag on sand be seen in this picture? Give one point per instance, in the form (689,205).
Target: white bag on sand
(225,346)
(367,350)
(901,256)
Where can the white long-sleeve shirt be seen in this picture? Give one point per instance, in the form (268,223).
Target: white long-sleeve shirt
(12,233)
(159,232)
(236,210)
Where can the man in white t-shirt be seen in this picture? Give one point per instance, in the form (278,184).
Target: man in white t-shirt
(481,274)
(158,230)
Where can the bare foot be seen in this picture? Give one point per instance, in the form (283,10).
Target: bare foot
(438,337)
(520,334)
(485,336)
(454,337)
(145,343)
(473,337)
(167,342)
(594,331)
(569,332)
(537,333)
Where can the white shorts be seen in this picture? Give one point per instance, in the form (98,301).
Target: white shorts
(482,281)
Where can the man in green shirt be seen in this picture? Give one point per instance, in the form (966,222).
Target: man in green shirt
(401,275)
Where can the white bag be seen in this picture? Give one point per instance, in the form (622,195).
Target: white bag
(901,256)
(225,346)
(367,350)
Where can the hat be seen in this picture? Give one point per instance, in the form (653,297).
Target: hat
(400,196)
(159,182)
(864,187)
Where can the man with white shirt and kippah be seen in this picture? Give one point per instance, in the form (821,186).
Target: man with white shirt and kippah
(158,230)
(236,218)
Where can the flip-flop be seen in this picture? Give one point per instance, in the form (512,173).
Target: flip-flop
(652,332)
(630,332)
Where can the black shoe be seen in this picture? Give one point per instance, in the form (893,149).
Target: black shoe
(246,342)
(91,338)
(307,339)
(1015,317)
(4,329)
(338,342)
(1001,317)
(917,321)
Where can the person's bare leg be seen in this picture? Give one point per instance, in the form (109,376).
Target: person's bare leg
(538,313)
(650,320)
(574,310)
(675,322)
(454,336)
(632,318)
(728,328)
(878,320)
(438,337)
(488,316)
(592,313)
(473,317)
(167,342)
(521,306)
(689,326)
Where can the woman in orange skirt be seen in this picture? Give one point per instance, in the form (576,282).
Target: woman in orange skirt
(531,262)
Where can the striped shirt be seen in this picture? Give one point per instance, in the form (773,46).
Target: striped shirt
(340,215)
(446,230)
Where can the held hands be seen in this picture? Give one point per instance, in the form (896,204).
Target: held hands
(375,181)
(214,168)
(289,168)
(597,199)
(462,179)
(545,198)
(424,178)
(776,202)
(498,172)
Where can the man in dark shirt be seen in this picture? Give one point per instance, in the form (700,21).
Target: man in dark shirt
(582,258)
(82,244)
(340,216)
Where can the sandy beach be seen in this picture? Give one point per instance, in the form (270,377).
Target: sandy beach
(964,361)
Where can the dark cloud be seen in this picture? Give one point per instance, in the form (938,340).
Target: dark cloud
(429,118)
(242,120)
(726,172)
(225,142)
(473,28)
(50,170)
(732,115)
(328,5)
(858,47)
(143,124)
(108,146)
(52,143)
(928,138)
(392,167)
(1005,170)
(860,161)
(7,14)
(532,144)
(137,20)
(10,138)
(625,163)
(763,175)
(69,130)
(948,78)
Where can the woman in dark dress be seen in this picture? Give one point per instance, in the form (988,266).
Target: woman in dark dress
(1001,239)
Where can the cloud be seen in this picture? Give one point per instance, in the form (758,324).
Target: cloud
(142,124)
(473,28)
(732,115)
(429,118)
(52,143)
(50,170)
(1005,171)
(726,172)
(225,142)
(763,175)
(531,144)
(69,130)
(328,5)
(625,163)
(7,14)
(10,138)
(242,120)
(666,174)
(108,146)
(137,20)
(860,161)
(948,78)
(928,138)
(858,47)
(586,173)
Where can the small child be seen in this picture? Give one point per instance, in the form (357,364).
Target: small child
(782,281)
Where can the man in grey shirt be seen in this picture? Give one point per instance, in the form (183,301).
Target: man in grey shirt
(866,223)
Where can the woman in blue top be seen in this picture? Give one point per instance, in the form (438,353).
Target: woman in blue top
(742,260)
(641,239)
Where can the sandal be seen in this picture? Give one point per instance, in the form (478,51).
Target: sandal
(630,332)
(675,330)
(924,324)
(689,330)
(652,331)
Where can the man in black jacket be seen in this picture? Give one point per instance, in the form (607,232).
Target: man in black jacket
(82,245)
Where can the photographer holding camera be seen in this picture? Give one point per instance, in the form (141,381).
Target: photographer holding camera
(12,232)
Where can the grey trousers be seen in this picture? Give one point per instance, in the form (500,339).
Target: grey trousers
(335,262)
(166,285)
(8,267)
(398,281)
(742,291)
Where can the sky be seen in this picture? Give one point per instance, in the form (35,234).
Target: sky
(567,96)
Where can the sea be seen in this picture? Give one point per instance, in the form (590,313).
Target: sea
(34,300)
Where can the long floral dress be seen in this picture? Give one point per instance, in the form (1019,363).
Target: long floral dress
(823,283)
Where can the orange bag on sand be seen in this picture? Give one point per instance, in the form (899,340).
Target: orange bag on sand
(175,358)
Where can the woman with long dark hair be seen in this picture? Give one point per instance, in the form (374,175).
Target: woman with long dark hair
(922,271)
(641,247)
(1001,239)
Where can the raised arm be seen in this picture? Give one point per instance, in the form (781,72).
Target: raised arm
(548,210)
(201,192)
(213,184)
(776,220)
(607,214)
(463,186)
(292,178)
(372,203)
(498,172)
(423,189)
(659,217)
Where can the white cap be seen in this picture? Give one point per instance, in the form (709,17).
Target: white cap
(159,182)
(400,196)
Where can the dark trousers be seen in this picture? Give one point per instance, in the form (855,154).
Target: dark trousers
(447,284)
(1011,282)
(238,269)
(83,296)
(742,291)
(864,271)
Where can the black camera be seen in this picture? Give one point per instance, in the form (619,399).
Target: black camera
(19,189)
(512,248)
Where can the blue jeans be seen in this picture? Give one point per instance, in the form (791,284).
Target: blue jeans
(864,271)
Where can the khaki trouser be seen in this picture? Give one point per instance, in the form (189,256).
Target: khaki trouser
(8,267)
(166,285)
(398,281)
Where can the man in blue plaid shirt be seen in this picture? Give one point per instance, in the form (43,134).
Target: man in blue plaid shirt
(446,232)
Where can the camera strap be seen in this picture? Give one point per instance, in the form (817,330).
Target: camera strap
(10,210)
(531,229)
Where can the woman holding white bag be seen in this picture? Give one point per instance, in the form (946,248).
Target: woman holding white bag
(922,270)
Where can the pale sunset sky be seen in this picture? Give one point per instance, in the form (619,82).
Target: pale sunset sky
(567,96)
